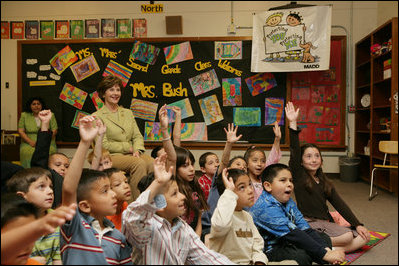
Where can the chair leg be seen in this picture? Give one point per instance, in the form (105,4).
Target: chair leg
(371,195)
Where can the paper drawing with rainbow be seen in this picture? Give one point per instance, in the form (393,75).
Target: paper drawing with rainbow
(152,131)
(194,132)
(73,96)
(210,109)
(63,59)
(144,109)
(274,111)
(115,69)
(78,116)
(178,53)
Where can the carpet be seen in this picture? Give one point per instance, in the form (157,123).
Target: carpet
(375,238)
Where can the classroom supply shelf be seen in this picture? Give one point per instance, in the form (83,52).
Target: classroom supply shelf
(374,111)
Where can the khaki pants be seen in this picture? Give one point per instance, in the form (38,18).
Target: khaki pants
(135,168)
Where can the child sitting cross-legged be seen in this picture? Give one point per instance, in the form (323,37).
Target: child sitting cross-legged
(152,224)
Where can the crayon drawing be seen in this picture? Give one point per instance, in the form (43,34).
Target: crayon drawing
(325,134)
(274,111)
(228,50)
(115,69)
(144,109)
(332,94)
(231,91)
(303,112)
(260,82)
(318,94)
(210,109)
(63,59)
(178,53)
(85,68)
(78,116)
(300,93)
(152,131)
(331,116)
(247,116)
(315,113)
(171,114)
(185,107)
(194,132)
(98,103)
(204,82)
(144,52)
(73,96)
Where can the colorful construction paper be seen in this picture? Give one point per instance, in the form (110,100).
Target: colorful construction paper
(331,116)
(185,107)
(63,59)
(194,132)
(108,28)
(300,93)
(228,50)
(115,69)
(31,29)
(47,31)
(78,116)
(317,94)
(332,93)
(260,82)
(62,29)
(144,109)
(178,53)
(247,116)
(140,28)
(92,28)
(73,95)
(274,111)
(98,103)
(77,29)
(144,52)
(204,82)
(210,109)
(315,114)
(231,89)
(124,28)
(85,68)
(152,131)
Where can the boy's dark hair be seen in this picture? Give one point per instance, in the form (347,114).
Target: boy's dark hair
(233,173)
(27,107)
(88,177)
(272,171)
(251,149)
(14,206)
(155,151)
(108,82)
(22,179)
(146,181)
(202,158)
(232,160)
(110,171)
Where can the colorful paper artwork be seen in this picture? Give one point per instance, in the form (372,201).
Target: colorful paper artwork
(331,116)
(332,94)
(73,95)
(231,91)
(98,103)
(185,107)
(210,109)
(92,28)
(325,134)
(115,69)
(108,28)
(274,111)
(46,30)
(260,82)
(318,94)
(76,119)
(300,93)
(140,28)
(41,83)
(31,29)
(228,50)
(62,29)
(152,131)
(85,68)
(204,82)
(178,53)
(144,109)
(77,29)
(247,116)
(144,52)
(194,132)
(17,30)
(63,59)
(5,30)
(171,114)
(315,114)
(124,28)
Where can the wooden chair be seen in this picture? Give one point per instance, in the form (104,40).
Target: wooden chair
(387,147)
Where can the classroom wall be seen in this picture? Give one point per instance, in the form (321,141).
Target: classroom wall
(200,19)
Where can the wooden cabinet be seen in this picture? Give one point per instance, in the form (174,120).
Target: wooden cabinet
(375,102)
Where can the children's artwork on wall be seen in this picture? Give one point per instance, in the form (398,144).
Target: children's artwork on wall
(144,109)
(204,82)
(98,103)
(77,29)
(78,115)
(301,93)
(124,28)
(274,111)
(260,83)
(303,112)
(318,94)
(171,114)
(228,50)
(62,29)
(41,83)
(63,59)
(17,30)
(325,134)
(231,91)
(31,29)
(44,67)
(331,116)
(108,28)
(5,30)
(144,52)
(139,28)
(85,68)
(54,76)
(92,28)
(178,53)
(210,109)
(73,95)
(332,93)
(152,131)
(185,107)
(194,132)
(315,114)
(47,29)
(247,116)
(115,69)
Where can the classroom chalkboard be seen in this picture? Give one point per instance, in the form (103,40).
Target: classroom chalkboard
(158,83)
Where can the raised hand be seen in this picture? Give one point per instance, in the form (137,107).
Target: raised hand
(101,127)
(277,131)
(45,116)
(161,175)
(58,217)
(228,183)
(177,111)
(87,130)
(231,133)
(290,112)
(163,117)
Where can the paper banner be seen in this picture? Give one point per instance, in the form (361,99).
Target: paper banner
(247,116)
(78,116)
(63,59)
(42,83)
(274,111)
(231,89)
(73,95)
(117,70)
(228,50)
(98,103)
(144,52)
(185,107)
(178,53)
(144,109)
(210,109)
(85,68)
(152,131)
(260,83)
(194,132)
(204,82)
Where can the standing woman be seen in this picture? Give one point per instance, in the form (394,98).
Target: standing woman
(28,126)
(122,139)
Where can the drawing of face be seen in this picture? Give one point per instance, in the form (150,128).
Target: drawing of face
(274,20)
(293,20)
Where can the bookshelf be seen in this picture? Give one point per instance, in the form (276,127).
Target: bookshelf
(375,104)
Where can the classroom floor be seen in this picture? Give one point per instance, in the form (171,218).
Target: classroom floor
(380,214)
